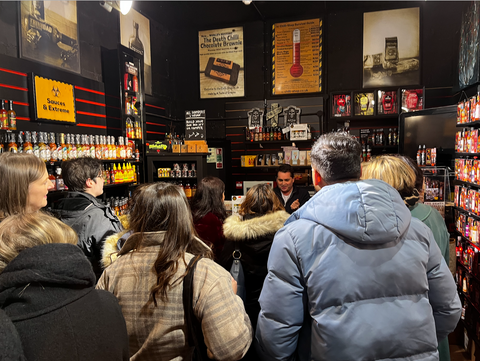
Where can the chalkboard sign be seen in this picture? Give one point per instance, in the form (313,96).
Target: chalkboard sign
(195,125)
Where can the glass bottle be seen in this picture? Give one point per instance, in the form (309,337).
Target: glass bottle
(369,154)
(138,130)
(59,179)
(74,150)
(2,147)
(424,155)
(135,43)
(3,117)
(36,149)
(53,148)
(12,117)
(98,147)
(51,178)
(78,145)
(106,150)
(68,146)
(92,152)
(20,141)
(188,191)
(12,144)
(194,189)
(121,153)
(419,155)
(111,174)
(27,145)
(134,175)
(64,148)
(128,149)
(129,128)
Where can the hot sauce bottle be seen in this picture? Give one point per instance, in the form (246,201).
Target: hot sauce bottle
(36,149)
(12,145)
(92,147)
(51,178)
(53,147)
(12,117)
(43,147)
(20,141)
(3,117)
(63,149)
(98,147)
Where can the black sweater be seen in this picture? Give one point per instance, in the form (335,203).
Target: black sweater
(48,293)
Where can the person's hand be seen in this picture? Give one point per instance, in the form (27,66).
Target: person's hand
(234,285)
(295,205)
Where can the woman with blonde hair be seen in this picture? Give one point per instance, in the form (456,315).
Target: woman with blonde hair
(148,279)
(47,290)
(24,184)
(402,174)
(251,232)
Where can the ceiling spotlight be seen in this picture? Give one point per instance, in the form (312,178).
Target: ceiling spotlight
(247,2)
(122,6)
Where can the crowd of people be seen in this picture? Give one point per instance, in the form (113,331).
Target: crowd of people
(356,272)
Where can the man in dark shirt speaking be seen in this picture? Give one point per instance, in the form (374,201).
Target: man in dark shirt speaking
(290,196)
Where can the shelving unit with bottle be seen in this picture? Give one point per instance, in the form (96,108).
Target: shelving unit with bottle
(123,71)
(467,212)
(371,115)
(185,170)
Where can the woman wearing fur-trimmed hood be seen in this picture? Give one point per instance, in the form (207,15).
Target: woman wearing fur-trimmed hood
(261,216)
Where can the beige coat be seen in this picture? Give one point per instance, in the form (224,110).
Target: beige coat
(159,333)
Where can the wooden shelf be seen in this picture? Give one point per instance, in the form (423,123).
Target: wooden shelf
(279,141)
(467,154)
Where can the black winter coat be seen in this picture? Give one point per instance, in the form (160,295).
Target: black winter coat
(48,293)
(254,237)
(93,222)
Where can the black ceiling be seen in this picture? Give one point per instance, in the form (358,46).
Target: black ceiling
(210,14)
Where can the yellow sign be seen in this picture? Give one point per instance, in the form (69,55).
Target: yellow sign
(297,57)
(54,100)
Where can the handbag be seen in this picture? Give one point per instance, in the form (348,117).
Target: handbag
(193,325)
(237,273)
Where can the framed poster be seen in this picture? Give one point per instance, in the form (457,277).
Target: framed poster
(341,105)
(297,57)
(387,102)
(135,34)
(391,48)
(49,33)
(468,60)
(221,63)
(364,103)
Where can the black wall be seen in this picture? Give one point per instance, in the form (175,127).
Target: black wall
(174,44)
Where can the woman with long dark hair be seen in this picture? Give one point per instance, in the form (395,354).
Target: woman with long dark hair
(208,211)
(148,275)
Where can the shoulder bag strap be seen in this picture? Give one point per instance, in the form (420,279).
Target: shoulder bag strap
(193,325)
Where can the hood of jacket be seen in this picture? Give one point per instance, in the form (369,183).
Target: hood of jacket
(75,204)
(366,212)
(61,268)
(236,229)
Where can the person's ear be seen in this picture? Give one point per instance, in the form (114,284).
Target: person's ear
(317,178)
(89,183)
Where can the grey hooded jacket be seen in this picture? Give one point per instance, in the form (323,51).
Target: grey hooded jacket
(352,276)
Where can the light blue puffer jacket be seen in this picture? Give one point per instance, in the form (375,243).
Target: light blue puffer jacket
(352,276)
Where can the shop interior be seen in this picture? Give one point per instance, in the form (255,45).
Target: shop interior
(147,98)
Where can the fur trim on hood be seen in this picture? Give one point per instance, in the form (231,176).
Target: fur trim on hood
(110,248)
(235,229)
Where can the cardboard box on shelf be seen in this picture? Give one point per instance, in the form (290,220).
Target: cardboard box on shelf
(197,146)
(176,148)
(184,148)
(302,158)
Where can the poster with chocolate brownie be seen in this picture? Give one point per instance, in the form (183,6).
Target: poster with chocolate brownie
(297,57)
(221,63)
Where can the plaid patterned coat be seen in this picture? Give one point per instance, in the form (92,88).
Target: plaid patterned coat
(159,333)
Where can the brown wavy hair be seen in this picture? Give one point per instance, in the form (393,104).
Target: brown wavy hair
(164,207)
(260,199)
(17,171)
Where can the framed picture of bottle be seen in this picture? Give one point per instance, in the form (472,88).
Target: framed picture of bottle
(48,33)
(135,34)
